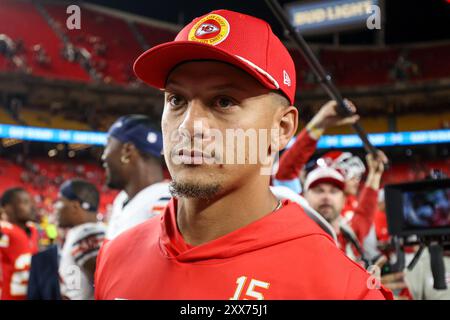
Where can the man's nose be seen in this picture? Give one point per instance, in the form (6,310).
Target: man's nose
(196,120)
(325,199)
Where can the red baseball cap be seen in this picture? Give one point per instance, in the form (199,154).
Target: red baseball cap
(222,35)
(324,175)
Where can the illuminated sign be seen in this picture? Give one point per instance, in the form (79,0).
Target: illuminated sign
(330,16)
(52,135)
(326,142)
(388,139)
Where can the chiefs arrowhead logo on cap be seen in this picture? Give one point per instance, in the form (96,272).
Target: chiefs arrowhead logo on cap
(212,29)
(244,41)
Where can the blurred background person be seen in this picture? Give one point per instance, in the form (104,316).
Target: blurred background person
(420,279)
(294,159)
(18,242)
(132,161)
(76,210)
(325,192)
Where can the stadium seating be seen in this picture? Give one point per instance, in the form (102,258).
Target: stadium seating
(427,56)
(5,117)
(359,67)
(21,21)
(100,29)
(410,122)
(355,66)
(42,118)
(405,172)
(404,122)
(42,177)
(350,67)
(154,35)
(370,124)
(423,121)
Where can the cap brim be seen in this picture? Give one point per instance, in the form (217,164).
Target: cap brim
(154,66)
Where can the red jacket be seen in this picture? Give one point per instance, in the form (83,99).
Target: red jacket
(16,249)
(381,226)
(364,213)
(283,255)
(294,159)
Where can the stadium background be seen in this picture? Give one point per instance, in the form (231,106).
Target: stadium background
(62,88)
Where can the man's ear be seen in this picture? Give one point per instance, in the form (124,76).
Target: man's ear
(288,125)
(126,152)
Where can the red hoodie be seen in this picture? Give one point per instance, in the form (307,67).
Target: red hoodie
(283,255)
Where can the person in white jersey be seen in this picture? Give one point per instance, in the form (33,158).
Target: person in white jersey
(76,211)
(133,164)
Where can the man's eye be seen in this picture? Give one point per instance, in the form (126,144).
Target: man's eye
(224,103)
(176,101)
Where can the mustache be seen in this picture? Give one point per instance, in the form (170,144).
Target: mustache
(325,206)
(194,149)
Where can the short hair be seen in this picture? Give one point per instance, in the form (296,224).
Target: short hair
(8,195)
(280,98)
(86,192)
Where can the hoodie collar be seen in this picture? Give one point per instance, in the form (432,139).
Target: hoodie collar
(288,223)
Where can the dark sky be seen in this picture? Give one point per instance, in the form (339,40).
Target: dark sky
(406,21)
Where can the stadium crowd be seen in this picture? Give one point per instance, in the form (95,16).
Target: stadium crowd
(322,216)
(333,185)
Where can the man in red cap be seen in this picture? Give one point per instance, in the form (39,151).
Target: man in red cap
(325,192)
(224,235)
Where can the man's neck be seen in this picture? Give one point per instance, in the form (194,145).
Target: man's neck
(22,225)
(201,221)
(141,179)
(350,194)
(336,225)
(87,217)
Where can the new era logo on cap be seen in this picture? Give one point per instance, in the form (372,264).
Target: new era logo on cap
(231,37)
(286,79)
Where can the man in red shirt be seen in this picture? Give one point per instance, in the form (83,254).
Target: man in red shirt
(324,191)
(293,161)
(353,170)
(224,235)
(18,242)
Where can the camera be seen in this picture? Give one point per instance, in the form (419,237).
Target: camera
(419,209)
(418,213)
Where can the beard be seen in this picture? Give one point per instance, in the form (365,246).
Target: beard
(191,190)
(328,212)
(113,182)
